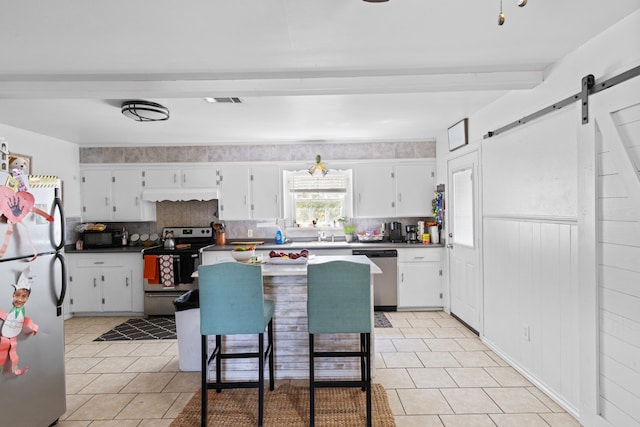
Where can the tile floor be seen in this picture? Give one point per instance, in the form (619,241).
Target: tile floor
(436,372)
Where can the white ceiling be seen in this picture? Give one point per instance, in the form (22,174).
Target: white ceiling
(306,70)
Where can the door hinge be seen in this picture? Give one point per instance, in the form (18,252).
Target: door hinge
(70,300)
(433,174)
(113,179)
(440,295)
(440,272)
(102,300)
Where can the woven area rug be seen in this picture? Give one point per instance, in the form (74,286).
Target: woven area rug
(380,320)
(153,328)
(288,406)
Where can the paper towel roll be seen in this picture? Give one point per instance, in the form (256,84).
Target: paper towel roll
(435,234)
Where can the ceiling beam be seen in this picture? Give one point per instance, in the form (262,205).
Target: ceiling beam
(128,87)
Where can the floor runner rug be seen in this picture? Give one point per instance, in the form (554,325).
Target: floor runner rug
(153,328)
(288,406)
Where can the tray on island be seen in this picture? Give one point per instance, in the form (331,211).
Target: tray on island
(281,260)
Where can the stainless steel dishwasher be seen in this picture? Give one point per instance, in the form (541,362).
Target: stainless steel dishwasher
(385,285)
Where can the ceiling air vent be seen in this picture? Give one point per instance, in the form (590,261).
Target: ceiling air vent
(232,100)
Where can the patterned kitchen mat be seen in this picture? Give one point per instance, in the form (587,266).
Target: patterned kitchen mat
(160,327)
(380,320)
(152,328)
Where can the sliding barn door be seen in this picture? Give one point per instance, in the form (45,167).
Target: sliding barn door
(612,392)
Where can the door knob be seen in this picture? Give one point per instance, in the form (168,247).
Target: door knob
(449,246)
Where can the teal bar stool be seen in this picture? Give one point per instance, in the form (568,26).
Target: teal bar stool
(339,301)
(232,302)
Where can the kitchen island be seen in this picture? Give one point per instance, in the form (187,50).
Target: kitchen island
(286,285)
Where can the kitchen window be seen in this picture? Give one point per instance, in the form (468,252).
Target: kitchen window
(318,201)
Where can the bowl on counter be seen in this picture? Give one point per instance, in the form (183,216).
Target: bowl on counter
(243,255)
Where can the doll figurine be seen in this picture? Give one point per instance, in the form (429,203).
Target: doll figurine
(15,323)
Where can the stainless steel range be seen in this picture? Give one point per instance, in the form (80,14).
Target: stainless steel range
(167,272)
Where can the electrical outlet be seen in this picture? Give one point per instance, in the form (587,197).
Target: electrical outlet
(249,233)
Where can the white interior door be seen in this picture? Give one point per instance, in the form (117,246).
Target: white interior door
(462,243)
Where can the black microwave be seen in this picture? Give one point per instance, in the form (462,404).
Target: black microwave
(101,239)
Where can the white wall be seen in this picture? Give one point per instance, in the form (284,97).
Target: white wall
(530,212)
(50,156)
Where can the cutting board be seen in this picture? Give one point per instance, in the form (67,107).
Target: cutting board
(247,243)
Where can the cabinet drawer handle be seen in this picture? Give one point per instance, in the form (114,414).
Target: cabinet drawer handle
(94,283)
(418,257)
(127,282)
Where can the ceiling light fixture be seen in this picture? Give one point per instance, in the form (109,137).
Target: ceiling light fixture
(145,111)
(500,15)
(318,168)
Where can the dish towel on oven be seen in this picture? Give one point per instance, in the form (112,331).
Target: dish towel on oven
(151,269)
(166,271)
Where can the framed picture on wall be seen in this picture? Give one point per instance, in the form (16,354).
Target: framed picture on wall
(458,135)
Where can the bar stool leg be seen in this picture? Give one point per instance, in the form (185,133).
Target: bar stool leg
(218,359)
(311,384)
(204,355)
(270,350)
(260,379)
(367,338)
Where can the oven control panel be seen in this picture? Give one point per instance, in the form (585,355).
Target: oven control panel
(189,232)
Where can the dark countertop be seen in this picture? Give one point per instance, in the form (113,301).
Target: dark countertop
(70,249)
(315,245)
(267,246)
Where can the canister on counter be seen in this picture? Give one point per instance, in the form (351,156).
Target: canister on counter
(435,234)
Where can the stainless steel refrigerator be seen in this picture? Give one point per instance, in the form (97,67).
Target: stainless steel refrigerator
(36,398)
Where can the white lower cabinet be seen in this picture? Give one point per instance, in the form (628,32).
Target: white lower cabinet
(419,278)
(104,282)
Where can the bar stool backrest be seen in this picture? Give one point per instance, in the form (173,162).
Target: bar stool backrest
(231,299)
(339,297)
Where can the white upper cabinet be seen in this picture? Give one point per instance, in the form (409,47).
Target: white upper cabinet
(95,186)
(249,192)
(161,178)
(114,195)
(375,191)
(183,177)
(385,190)
(415,186)
(234,192)
(265,192)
